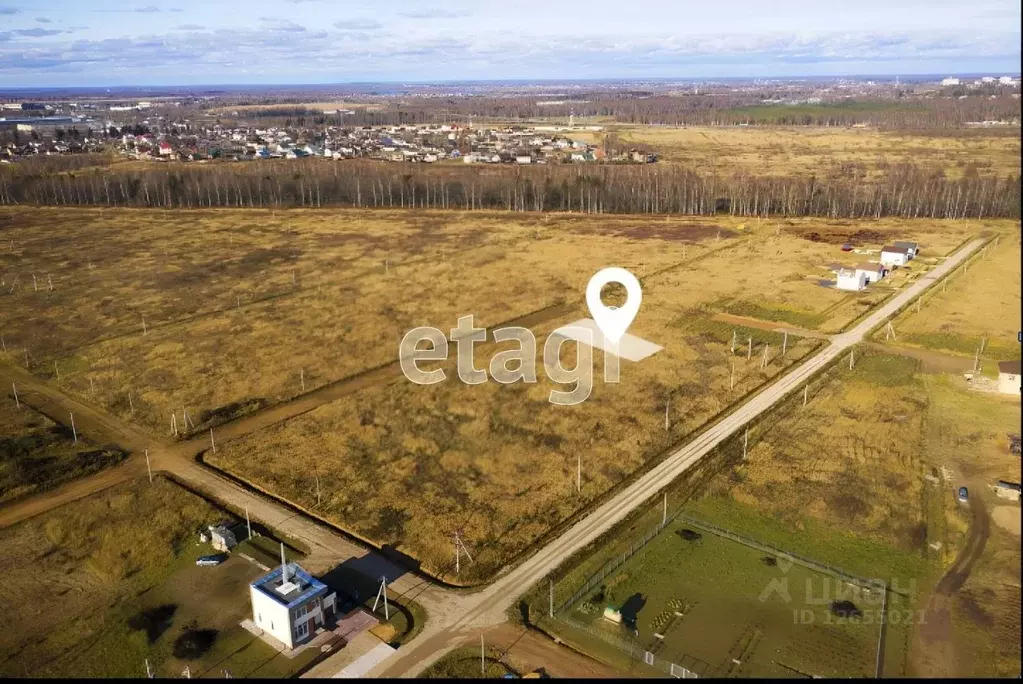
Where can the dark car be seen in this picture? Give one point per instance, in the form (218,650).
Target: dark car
(215,559)
(847,247)
(964,495)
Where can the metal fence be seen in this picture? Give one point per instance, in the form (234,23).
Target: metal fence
(674,669)
(634,651)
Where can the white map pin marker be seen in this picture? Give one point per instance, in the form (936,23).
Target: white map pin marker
(613,321)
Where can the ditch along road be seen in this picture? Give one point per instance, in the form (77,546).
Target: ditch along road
(453,615)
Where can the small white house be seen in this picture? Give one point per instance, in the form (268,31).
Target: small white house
(895,256)
(950,81)
(912,248)
(289,604)
(1009,377)
(872,272)
(523,159)
(851,280)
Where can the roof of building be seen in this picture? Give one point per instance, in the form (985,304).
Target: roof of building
(846,272)
(870,267)
(300,586)
(903,243)
(895,249)
(1008,485)
(1010,367)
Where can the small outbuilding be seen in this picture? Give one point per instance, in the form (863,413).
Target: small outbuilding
(912,248)
(222,538)
(1009,377)
(1007,490)
(892,255)
(851,280)
(872,272)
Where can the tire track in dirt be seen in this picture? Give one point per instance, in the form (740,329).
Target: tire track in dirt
(934,652)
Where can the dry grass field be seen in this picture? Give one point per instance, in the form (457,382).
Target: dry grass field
(826,151)
(243,307)
(982,304)
(37,453)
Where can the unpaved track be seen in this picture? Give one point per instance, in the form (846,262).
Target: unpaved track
(934,652)
(453,615)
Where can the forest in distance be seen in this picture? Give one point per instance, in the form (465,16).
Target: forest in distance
(903,190)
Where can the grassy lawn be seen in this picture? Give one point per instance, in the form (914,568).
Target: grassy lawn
(37,453)
(735,603)
(121,587)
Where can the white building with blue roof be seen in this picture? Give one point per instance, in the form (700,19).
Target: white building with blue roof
(289,604)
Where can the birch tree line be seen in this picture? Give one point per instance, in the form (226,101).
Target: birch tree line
(901,191)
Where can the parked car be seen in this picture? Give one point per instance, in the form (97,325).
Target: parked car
(215,559)
(847,247)
(963,494)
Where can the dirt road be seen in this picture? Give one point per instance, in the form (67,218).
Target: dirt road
(934,653)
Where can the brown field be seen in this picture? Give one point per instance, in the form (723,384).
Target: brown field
(243,307)
(982,304)
(824,152)
(37,453)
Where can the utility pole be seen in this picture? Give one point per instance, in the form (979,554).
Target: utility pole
(248,523)
(806,388)
(733,341)
(74,432)
(144,330)
(731,384)
(483,658)
(664,513)
(17,404)
(784,343)
(212,443)
(317,489)
(550,601)
(301,375)
(131,405)
(149,469)
(763,361)
(667,405)
(749,350)
(850,359)
(149,670)
(745,444)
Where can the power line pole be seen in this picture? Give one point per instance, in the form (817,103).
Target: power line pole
(784,343)
(745,444)
(806,389)
(74,432)
(148,468)
(17,404)
(550,601)
(664,514)
(483,658)
(212,443)
(248,523)
(749,351)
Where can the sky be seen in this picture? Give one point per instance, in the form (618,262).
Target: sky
(46,43)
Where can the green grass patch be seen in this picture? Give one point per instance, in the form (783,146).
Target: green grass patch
(465,663)
(887,370)
(797,317)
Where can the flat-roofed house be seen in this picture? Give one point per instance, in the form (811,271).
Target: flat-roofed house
(1007,490)
(872,272)
(289,604)
(1009,377)
(894,256)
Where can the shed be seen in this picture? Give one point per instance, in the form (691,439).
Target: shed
(892,255)
(1009,377)
(912,248)
(222,538)
(872,272)
(1007,490)
(849,279)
